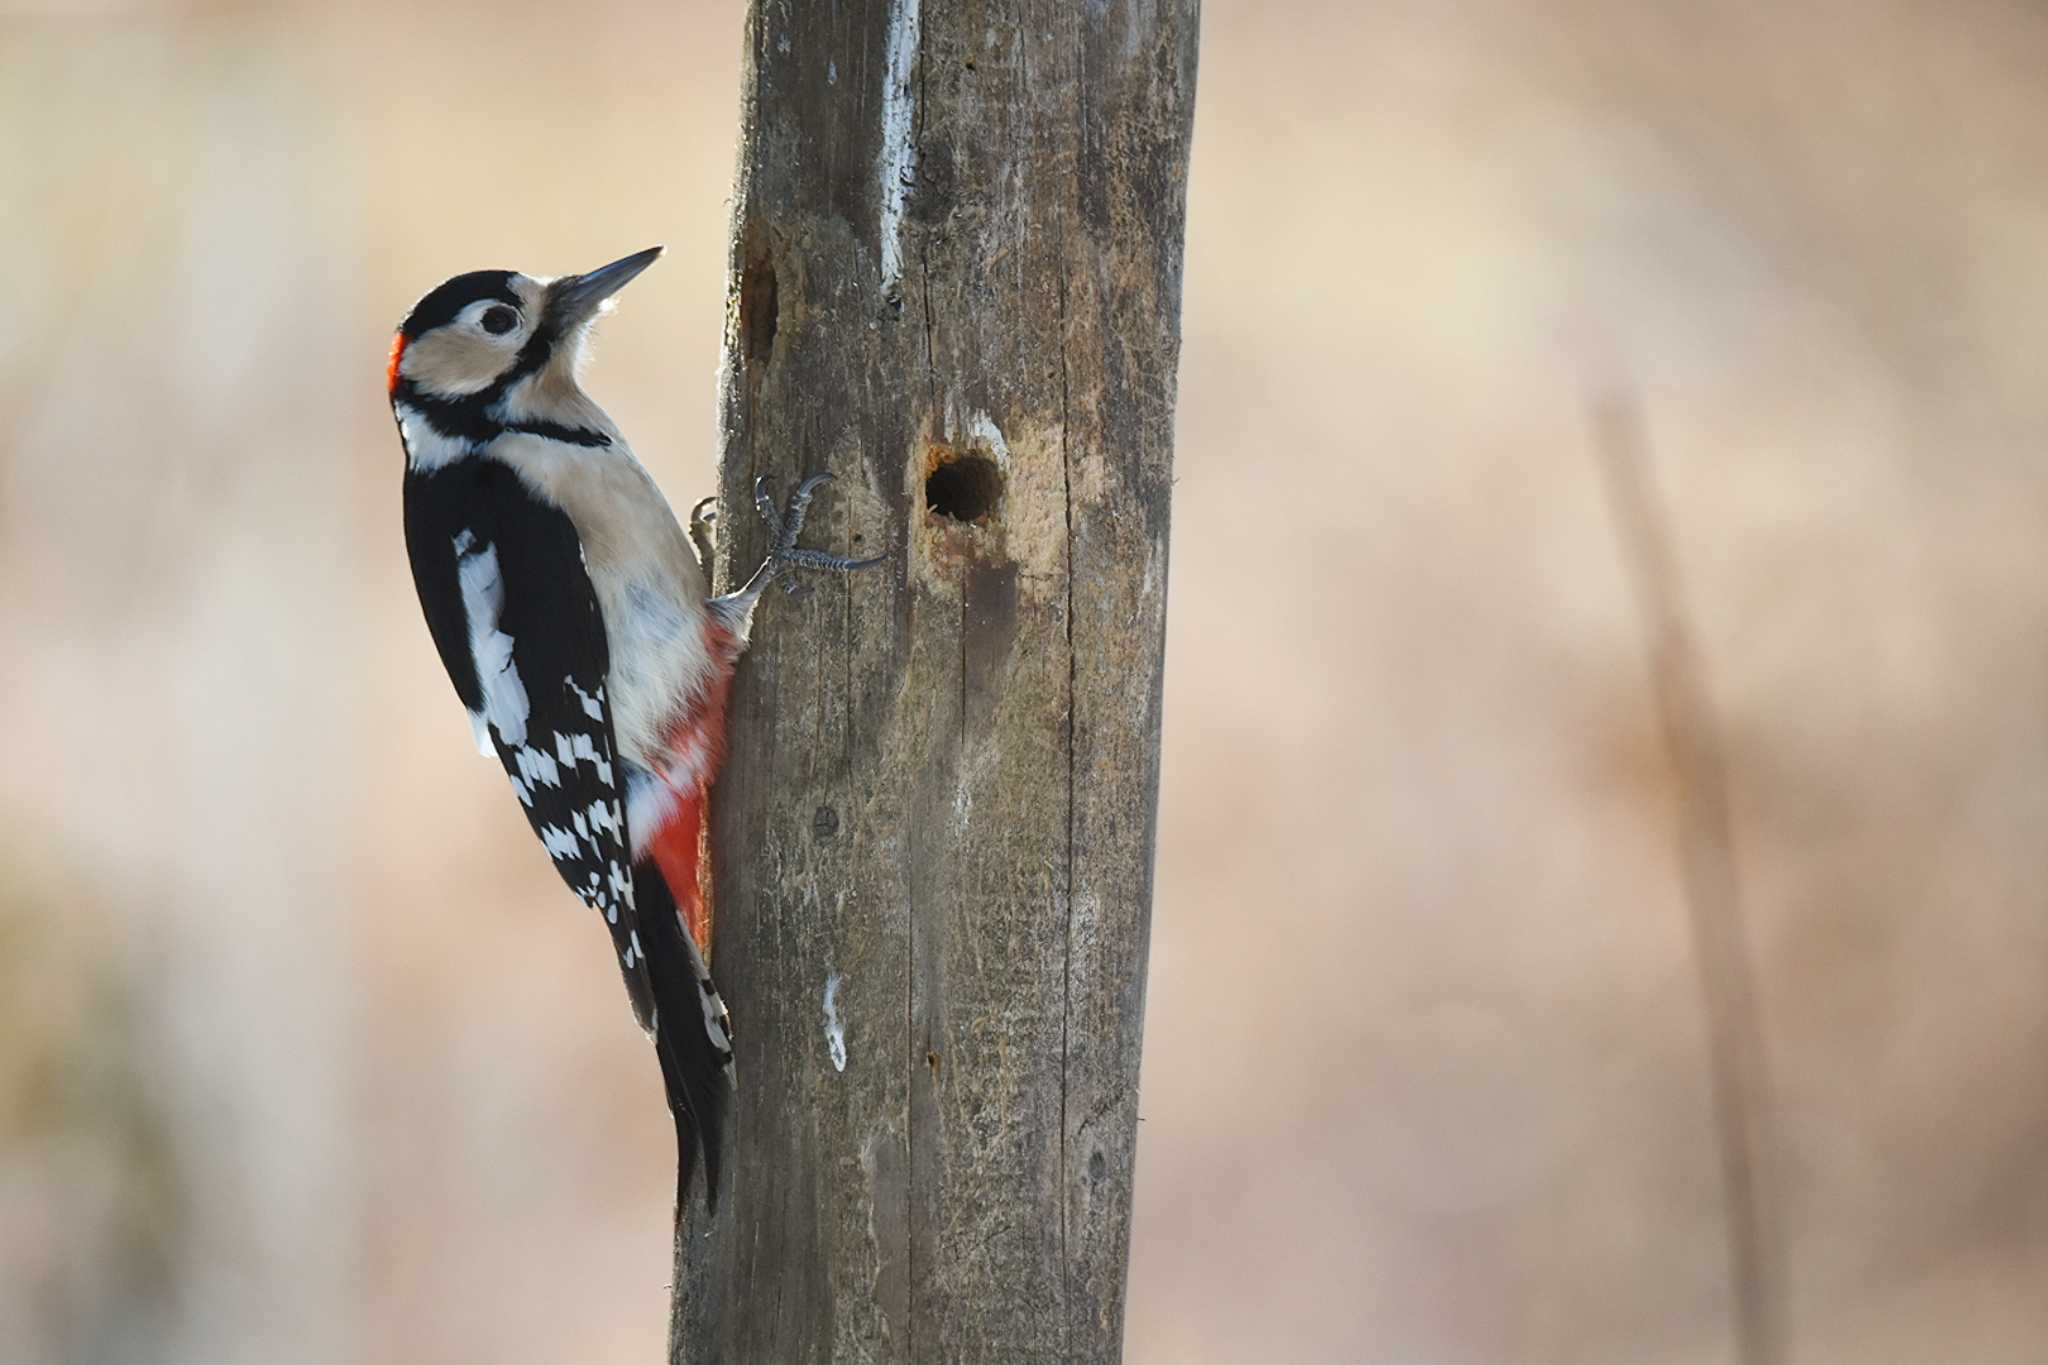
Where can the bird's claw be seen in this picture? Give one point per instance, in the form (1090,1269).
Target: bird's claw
(786,524)
(771,516)
(784,555)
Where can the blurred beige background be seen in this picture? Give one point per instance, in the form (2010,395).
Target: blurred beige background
(303,1058)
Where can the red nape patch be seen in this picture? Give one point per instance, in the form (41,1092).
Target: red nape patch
(675,847)
(391,367)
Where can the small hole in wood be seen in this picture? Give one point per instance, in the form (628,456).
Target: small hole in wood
(964,488)
(931,1059)
(758,310)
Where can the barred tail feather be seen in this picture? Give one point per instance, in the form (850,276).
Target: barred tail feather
(691,1032)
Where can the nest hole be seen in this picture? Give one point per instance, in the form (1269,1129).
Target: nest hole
(965,488)
(758,310)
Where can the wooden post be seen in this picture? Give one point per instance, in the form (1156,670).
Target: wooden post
(956,281)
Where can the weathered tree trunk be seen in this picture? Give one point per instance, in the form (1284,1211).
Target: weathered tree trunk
(956,285)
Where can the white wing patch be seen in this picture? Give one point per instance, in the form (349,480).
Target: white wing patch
(593,706)
(587,853)
(483,603)
(571,750)
(536,766)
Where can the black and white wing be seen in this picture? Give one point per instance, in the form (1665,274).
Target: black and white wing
(501,580)
(510,605)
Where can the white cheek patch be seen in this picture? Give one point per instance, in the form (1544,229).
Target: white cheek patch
(505,706)
(459,358)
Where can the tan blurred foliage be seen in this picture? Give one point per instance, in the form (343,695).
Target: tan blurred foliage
(306,1059)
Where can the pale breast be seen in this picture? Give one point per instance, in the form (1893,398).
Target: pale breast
(645,574)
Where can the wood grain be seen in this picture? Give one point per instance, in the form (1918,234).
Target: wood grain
(956,251)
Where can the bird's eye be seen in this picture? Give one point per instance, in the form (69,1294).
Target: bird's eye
(499,320)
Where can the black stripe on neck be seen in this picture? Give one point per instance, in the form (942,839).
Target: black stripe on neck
(556,431)
(467,419)
(471,420)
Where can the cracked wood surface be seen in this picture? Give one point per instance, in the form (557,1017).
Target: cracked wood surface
(957,241)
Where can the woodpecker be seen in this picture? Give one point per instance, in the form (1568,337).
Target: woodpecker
(570,609)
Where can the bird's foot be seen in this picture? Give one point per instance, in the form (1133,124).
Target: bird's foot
(784,525)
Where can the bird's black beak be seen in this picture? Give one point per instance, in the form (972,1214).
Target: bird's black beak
(575,298)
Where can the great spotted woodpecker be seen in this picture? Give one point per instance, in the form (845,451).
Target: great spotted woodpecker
(570,610)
